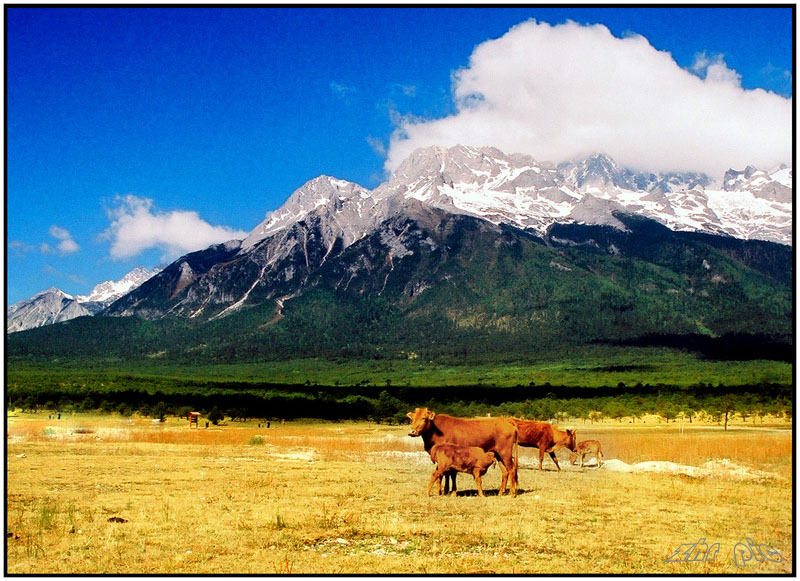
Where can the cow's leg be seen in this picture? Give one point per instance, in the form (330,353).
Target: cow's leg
(553,456)
(582,457)
(450,475)
(541,457)
(504,478)
(477,475)
(508,467)
(437,475)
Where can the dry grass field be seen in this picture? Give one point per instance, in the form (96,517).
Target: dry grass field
(105,494)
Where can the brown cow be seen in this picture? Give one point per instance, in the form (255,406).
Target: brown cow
(497,435)
(545,437)
(587,447)
(451,458)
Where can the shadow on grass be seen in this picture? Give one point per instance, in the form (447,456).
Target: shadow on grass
(474,492)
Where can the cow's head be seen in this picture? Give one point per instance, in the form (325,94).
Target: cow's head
(420,421)
(487,461)
(572,441)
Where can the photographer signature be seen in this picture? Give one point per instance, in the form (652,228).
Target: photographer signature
(743,553)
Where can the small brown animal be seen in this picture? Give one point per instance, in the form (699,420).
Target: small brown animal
(545,437)
(587,447)
(470,459)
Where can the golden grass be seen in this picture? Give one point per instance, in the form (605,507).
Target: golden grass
(349,498)
(770,448)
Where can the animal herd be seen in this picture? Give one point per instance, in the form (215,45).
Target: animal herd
(473,445)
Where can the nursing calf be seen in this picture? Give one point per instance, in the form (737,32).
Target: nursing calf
(497,435)
(472,460)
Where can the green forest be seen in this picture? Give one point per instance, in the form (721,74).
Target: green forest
(610,323)
(376,391)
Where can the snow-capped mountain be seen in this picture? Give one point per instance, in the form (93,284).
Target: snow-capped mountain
(107,292)
(352,206)
(523,192)
(44,308)
(54,305)
(518,190)
(326,216)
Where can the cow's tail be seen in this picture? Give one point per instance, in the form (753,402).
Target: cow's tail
(516,460)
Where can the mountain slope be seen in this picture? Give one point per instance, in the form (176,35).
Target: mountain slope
(467,250)
(449,285)
(327,216)
(55,306)
(44,308)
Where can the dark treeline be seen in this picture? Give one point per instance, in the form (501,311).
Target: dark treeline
(388,404)
(728,347)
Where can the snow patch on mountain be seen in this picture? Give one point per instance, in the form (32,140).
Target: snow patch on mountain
(110,290)
(518,190)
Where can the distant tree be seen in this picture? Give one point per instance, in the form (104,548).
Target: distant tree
(595,415)
(159,411)
(239,414)
(728,404)
(387,407)
(546,409)
(215,416)
(668,412)
(616,410)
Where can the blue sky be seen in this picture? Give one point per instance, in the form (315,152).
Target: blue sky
(134,133)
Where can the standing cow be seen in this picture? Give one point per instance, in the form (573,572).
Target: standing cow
(497,435)
(451,458)
(545,437)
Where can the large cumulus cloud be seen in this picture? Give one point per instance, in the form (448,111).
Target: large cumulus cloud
(137,225)
(562,92)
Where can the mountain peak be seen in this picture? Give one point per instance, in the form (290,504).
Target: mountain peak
(44,308)
(105,293)
(55,291)
(313,195)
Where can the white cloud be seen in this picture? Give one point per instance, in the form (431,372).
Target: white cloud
(377,145)
(715,70)
(136,226)
(562,92)
(408,90)
(342,91)
(66,244)
(21,248)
